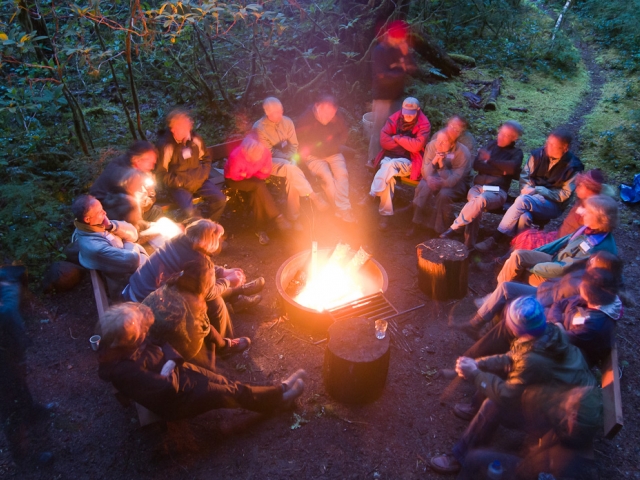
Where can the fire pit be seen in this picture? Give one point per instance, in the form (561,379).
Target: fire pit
(371,279)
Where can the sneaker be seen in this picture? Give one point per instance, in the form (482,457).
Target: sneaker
(318,202)
(293,387)
(445,464)
(487,245)
(383,224)
(252,287)
(234,346)
(245,302)
(346,216)
(465,411)
(282,223)
(263,238)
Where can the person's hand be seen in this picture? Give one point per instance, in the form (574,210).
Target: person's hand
(128,245)
(438,160)
(167,368)
(465,366)
(404,49)
(236,278)
(527,190)
(483,155)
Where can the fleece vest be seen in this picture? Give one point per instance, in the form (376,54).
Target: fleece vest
(562,171)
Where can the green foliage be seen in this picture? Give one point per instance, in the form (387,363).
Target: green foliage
(499,34)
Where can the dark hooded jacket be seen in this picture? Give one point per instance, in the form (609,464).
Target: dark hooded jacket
(549,359)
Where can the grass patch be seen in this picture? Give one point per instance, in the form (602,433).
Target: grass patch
(611,132)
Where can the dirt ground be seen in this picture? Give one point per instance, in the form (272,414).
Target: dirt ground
(93,436)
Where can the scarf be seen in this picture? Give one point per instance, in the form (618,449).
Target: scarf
(85,227)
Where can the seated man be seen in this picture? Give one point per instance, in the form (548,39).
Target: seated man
(278,133)
(547,183)
(105,245)
(457,129)
(199,242)
(185,166)
(322,130)
(403,139)
(445,179)
(600,218)
(540,354)
(497,164)
(157,377)
(126,186)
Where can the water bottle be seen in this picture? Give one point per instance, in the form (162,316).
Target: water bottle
(495,471)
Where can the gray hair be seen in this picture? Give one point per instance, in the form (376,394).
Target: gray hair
(606,210)
(270,102)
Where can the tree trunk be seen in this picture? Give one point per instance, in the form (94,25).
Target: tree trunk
(132,83)
(428,49)
(443,267)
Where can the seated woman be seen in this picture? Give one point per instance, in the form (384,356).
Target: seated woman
(200,240)
(552,260)
(247,168)
(547,293)
(157,377)
(181,320)
(588,319)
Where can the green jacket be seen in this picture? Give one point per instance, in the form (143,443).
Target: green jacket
(549,359)
(565,252)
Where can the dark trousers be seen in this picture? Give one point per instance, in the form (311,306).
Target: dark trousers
(263,205)
(219,392)
(219,318)
(216,200)
(435,209)
(496,341)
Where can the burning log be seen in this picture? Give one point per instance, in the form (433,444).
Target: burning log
(443,268)
(355,361)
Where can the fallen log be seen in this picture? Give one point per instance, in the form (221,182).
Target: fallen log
(492,101)
(428,49)
(519,109)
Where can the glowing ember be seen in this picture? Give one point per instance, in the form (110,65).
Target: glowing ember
(333,284)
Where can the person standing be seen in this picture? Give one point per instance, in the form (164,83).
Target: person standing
(391,62)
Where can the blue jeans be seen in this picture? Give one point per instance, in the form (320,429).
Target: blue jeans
(525,210)
(212,195)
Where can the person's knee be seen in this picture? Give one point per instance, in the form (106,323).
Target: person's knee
(524,202)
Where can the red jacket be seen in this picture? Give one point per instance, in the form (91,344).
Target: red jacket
(408,146)
(239,167)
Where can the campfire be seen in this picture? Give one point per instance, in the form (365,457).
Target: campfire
(333,282)
(315,283)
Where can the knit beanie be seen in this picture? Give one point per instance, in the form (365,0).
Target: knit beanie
(525,316)
(592,180)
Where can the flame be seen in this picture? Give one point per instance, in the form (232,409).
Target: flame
(330,287)
(167,228)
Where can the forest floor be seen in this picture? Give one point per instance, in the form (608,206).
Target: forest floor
(93,436)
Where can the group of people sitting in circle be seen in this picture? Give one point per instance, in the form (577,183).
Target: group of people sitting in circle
(550,319)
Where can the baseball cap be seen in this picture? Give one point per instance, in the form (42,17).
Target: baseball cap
(410,106)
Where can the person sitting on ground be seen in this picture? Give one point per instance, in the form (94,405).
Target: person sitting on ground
(391,61)
(497,164)
(547,293)
(126,186)
(547,183)
(106,245)
(565,421)
(322,130)
(180,311)
(200,240)
(446,172)
(246,170)
(278,134)
(589,330)
(600,217)
(540,354)
(185,166)
(157,377)
(403,139)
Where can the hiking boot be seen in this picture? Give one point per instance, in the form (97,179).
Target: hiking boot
(448,233)
(465,411)
(318,202)
(487,245)
(252,287)
(346,216)
(293,387)
(263,238)
(245,302)
(234,346)
(282,223)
